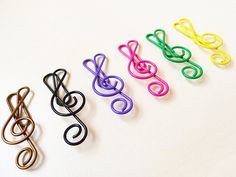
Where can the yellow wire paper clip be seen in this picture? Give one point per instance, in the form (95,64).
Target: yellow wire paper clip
(208,40)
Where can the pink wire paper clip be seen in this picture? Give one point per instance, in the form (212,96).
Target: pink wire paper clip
(144,69)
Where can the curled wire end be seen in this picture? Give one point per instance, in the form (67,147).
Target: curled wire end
(26,157)
(127,105)
(162,90)
(220,57)
(72,102)
(208,40)
(193,71)
(21,129)
(143,69)
(108,86)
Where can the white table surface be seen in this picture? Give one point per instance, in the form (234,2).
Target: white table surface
(190,133)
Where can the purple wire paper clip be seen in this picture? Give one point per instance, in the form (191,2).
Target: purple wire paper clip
(112,84)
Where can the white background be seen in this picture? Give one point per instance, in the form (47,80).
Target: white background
(189,133)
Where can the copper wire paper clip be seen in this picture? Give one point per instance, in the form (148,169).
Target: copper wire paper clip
(21,129)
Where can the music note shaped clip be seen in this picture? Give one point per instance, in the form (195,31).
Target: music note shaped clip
(176,54)
(143,69)
(72,102)
(112,85)
(208,40)
(21,129)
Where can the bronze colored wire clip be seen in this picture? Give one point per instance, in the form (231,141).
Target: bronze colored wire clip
(21,129)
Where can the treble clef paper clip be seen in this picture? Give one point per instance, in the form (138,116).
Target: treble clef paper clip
(176,54)
(70,102)
(112,84)
(21,129)
(208,40)
(143,69)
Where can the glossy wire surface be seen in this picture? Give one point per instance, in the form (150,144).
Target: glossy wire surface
(111,85)
(69,101)
(177,54)
(21,129)
(143,69)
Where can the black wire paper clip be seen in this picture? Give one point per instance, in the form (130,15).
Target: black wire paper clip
(71,102)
